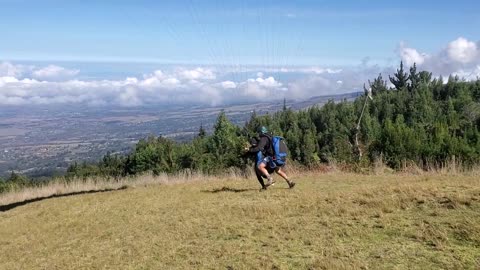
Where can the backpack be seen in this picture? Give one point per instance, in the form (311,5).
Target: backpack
(280,150)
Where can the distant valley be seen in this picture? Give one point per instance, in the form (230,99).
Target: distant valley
(43,141)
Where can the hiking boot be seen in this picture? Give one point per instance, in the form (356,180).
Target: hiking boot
(270,182)
(291,184)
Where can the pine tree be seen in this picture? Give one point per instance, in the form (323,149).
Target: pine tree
(414,78)
(225,143)
(378,85)
(201,132)
(425,77)
(400,78)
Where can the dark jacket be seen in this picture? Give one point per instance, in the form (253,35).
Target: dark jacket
(264,145)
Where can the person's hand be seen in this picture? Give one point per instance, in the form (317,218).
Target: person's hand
(246,147)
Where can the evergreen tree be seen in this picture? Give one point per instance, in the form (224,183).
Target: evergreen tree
(18,180)
(400,78)
(225,143)
(414,78)
(425,77)
(201,132)
(378,85)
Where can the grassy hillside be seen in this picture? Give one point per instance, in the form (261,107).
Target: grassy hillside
(329,221)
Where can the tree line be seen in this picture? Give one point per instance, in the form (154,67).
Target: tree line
(413,117)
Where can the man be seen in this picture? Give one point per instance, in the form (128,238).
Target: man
(263,165)
(259,158)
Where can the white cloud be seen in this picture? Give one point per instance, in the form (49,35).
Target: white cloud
(197,74)
(171,83)
(131,80)
(468,75)
(175,86)
(159,74)
(49,73)
(7,79)
(459,57)
(462,50)
(411,56)
(300,70)
(12,100)
(312,86)
(269,82)
(261,88)
(53,72)
(129,98)
(9,69)
(319,70)
(228,85)
(180,86)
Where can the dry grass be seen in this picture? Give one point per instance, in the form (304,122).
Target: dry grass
(329,221)
(74,186)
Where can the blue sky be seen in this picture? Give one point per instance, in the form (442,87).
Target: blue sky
(214,52)
(230,32)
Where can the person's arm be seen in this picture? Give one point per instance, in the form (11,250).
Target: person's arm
(261,145)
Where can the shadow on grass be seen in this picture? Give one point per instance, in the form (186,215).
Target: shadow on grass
(228,189)
(7,207)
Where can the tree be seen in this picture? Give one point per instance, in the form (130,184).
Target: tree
(112,166)
(158,155)
(253,124)
(414,78)
(400,78)
(18,180)
(201,132)
(425,77)
(226,143)
(378,85)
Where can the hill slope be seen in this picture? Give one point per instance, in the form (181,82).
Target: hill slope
(329,221)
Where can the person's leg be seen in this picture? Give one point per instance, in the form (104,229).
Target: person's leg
(262,167)
(280,172)
(258,160)
(259,177)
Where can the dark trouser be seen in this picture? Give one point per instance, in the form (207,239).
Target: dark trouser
(259,175)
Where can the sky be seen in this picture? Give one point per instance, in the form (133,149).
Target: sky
(216,52)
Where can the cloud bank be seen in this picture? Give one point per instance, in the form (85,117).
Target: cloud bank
(31,85)
(459,57)
(53,85)
(180,86)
